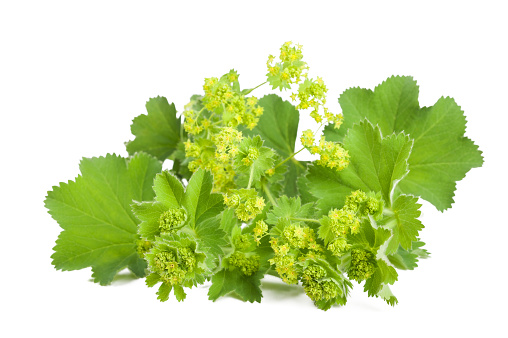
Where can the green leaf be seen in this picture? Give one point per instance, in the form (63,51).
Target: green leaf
(256,167)
(441,154)
(168,190)
(211,239)
(152,279)
(198,200)
(169,193)
(158,132)
(179,293)
(278,127)
(376,164)
(163,292)
(99,229)
(387,295)
(246,287)
(404,223)
(289,208)
(383,275)
(369,237)
(149,214)
(228,220)
(325,231)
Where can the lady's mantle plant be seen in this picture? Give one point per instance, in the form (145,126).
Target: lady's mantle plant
(237,204)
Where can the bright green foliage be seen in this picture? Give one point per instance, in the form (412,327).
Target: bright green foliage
(289,208)
(238,205)
(404,223)
(177,217)
(176,262)
(246,202)
(99,229)
(407,259)
(242,268)
(253,159)
(377,164)
(227,281)
(441,154)
(198,200)
(368,237)
(292,243)
(339,223)
(377,284)
(278,128)
(158,132)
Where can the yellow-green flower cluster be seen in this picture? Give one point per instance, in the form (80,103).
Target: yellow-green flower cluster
(259,231)
(142,247)
(363,205)
(295,244)
(211,122)
(342,221)
(171,219)
(363,265)
(347,219)
(336,119)
(222,96)
(217,155)
(284,261)
(332,155)
(297,236)
(290,69)
(174,260)
(190,122)
(312,94)
(246,202)
(173,267)
(241,242)
(226,142)
(316,286)
(247,264)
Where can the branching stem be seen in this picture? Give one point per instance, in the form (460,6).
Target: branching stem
(305,220)
(251,176)
(287,159)
(269,194)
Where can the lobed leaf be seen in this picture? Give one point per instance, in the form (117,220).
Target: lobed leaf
(441,154)
(99,229)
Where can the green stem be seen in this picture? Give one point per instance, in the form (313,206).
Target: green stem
(248,91)
(269,194)
(320,125)
(199,113)
(287,159)
(251,176)
(305,220)
(388,212)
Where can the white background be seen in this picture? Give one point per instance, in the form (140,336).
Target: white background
(74,74)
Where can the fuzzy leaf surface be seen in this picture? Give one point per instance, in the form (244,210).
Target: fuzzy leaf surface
(259,165)
(289,207)
(441,154)
(99,229)
(158,132)
(169,193)
(278,127)
(404,223)
(227,281)
(199,201)
(376,164)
